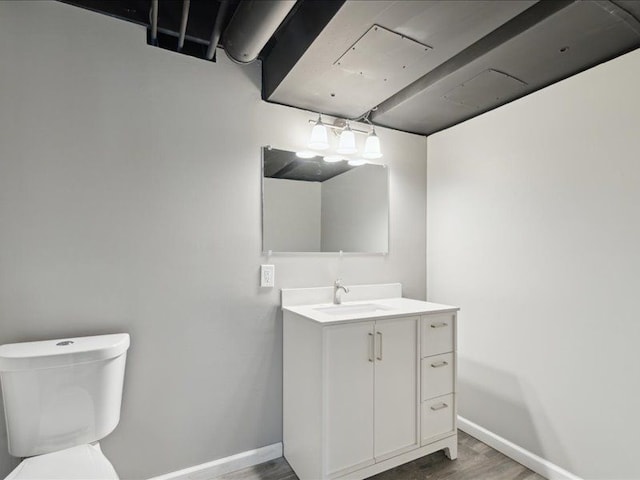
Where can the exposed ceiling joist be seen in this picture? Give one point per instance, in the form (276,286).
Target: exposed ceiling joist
(416,66)
(196,27)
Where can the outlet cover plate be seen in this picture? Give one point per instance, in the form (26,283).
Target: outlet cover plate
(267,275)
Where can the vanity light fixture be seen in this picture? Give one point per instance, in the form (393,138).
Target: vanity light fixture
(347,145)
(372,146)
(319,141)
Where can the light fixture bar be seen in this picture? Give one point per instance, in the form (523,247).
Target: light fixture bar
(337,127)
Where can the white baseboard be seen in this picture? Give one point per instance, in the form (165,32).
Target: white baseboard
(216,468)
(211,470)
(530,460)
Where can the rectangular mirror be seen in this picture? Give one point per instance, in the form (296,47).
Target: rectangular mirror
(309,205)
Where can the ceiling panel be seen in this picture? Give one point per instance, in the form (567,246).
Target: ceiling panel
(387,59)
(485,89)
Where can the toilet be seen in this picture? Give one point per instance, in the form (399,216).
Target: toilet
(60,398)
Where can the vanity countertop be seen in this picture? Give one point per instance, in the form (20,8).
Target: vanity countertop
(367,309)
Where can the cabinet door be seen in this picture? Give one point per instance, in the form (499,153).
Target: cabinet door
(348,397)
(396,387)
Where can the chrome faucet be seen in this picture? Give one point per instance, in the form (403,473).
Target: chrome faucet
(336,288)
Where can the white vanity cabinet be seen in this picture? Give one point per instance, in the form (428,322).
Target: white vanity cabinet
(370,392)
(364,394)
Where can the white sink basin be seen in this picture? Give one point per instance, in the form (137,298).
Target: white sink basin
(351,309)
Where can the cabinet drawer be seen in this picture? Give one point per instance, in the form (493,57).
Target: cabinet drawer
(437,334)
(437,375)
(437,417)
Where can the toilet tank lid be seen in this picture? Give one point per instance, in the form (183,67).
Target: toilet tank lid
(61,352)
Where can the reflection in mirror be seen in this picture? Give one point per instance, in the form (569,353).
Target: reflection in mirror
(309,205)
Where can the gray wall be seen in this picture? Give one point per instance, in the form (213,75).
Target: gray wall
(355,212)
(291,215)
(533,230)
(130,201)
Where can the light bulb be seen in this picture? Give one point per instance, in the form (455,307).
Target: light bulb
(356,162)
(319,139)
(347,143)
(306,154)
(332,158)
(372,146)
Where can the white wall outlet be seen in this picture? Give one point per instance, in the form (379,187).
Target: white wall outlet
(267,275)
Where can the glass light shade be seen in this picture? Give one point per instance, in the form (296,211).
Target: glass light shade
(319,139)
(332,158)
(356,162)
(306,154)
(372,146)
(347,143)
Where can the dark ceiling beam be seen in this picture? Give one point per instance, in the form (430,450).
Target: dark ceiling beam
(615,9)
(514,27)
(288,45)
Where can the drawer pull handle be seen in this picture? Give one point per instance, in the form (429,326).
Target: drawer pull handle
(439,325)
(371,348)
(439,364)
(379,357)
(439,407)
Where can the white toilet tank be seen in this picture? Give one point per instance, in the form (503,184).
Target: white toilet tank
(61,393)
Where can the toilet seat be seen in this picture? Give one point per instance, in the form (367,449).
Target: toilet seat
(84,462)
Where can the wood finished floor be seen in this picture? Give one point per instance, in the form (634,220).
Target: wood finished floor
(476,461)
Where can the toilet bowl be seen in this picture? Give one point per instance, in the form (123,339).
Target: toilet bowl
(84,462)
(60,398)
